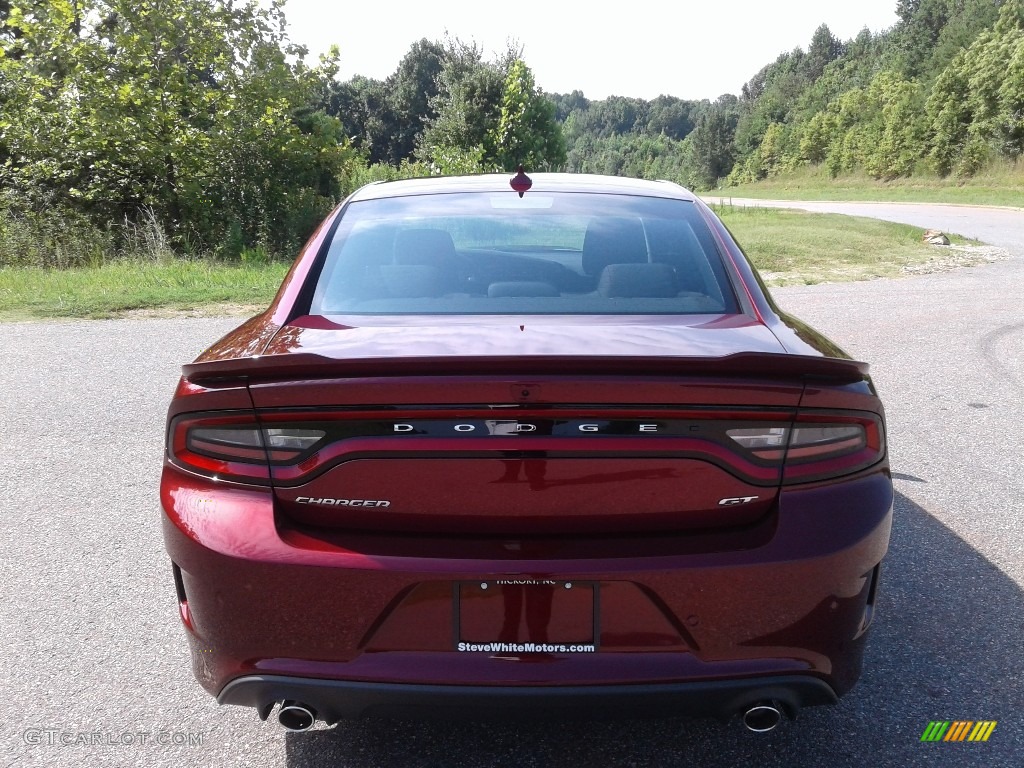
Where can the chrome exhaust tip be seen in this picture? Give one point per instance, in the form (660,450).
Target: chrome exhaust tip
(295,716)
(762,718)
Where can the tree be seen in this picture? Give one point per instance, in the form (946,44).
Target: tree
(817,137)
(188,109)
(824,49)
(906,9)
(671,117)
(566,104)
(712,147)
(977,104)
(410,94)
(772,149)
(896,129)
(950,115)
(362,107)
(467,105)
(527,133)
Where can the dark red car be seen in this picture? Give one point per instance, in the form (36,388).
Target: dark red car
(545,444)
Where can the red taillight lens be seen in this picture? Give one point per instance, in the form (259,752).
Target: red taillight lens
(242,444)
(812,443)
(234,446)
(832,445)
(228,447)
(816,447)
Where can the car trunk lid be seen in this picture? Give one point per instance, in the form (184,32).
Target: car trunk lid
(560,429)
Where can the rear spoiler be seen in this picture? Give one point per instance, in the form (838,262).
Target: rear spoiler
(757,365)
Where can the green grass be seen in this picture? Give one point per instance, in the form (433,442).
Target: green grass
(122,286)
(796,247)
(999,185)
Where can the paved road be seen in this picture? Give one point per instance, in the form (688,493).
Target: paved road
(92,650)
(997,226)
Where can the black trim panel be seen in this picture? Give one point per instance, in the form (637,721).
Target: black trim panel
(333,700)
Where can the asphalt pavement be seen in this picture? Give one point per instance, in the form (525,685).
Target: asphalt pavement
(995,225)
(94,669)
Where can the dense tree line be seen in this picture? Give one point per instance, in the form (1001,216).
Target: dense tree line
(199,120)
(939,92)
(943,91)
(187,111)
(623,136)
(200,117)
(447,109)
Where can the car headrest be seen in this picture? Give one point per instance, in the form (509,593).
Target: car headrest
(613,240)
(673,242)
(637,281)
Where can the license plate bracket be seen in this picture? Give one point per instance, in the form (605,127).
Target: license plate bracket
(535,614)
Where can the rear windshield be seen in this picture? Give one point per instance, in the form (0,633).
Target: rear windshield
(545,253)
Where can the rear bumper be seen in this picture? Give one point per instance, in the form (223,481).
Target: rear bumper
(333,700)
(701,624)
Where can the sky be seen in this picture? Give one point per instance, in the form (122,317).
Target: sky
(640,49)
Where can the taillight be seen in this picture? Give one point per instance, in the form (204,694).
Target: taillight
(829,445)
(230,446)
(764,447)
(229,443)
(764,442)
(811,443)
(816,446)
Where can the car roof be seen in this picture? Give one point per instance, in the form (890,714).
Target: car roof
(542,182)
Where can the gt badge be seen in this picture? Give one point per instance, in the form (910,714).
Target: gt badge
(737,500)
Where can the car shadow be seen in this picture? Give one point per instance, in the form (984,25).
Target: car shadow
(946,645)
